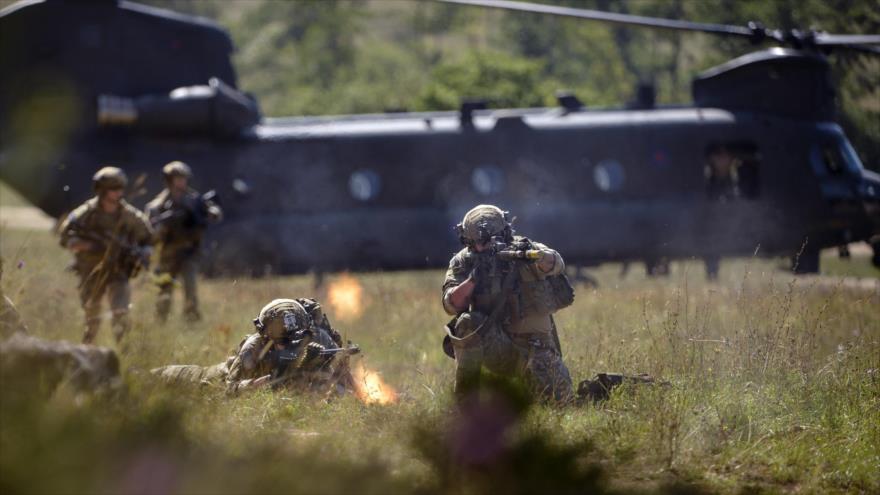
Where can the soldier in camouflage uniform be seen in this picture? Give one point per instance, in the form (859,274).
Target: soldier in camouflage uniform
(180,215)
(504,306)
(111,240)
(253,364)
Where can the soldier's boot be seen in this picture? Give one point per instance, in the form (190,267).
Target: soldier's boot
(92,326)
(547,373)
(163,305)
(121,325)
(192,314)
(190,294)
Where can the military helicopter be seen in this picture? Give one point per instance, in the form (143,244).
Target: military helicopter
(115,82)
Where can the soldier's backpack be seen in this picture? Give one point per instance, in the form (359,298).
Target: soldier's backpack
(561,293)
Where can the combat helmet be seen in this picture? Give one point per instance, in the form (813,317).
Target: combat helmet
(109,178)
(482,223)
(281,318)
(176,169)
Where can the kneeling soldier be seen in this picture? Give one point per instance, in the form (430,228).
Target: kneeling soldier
(504,291)
(111,241)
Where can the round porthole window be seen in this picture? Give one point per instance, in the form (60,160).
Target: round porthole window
(609,176)
(487,180)
(364,185)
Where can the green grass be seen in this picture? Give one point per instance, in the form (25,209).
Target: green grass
(9,197)
(770,392)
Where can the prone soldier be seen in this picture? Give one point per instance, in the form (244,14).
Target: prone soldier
(111,241)
(180,215)
(294,346)
(503,291)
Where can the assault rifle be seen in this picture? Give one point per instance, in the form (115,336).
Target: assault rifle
(303,355)
(119,253)
(499,249)
(192,215)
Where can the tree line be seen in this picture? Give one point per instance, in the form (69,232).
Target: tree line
(314,57)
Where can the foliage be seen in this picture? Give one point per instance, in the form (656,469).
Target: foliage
(345,56)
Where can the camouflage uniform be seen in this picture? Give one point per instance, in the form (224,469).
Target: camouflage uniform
(180,224)
(102,270)
(252,360)
(522,340)
(256,356)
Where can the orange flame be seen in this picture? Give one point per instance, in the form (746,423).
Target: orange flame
(370,388)
(345,296)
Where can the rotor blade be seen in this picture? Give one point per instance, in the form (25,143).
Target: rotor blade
(873,50)
(597,15)
(826,39)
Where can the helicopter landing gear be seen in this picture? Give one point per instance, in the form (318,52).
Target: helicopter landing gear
(579,275)
(656,267)
(713,265)
(806,262)
(317,278)
(875,259)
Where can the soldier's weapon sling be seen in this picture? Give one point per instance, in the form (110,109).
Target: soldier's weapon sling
(506,288)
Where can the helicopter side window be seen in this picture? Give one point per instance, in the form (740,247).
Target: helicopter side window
(364,184)
(487,180)
(732,171)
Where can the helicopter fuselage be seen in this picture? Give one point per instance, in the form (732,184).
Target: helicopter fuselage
(383,191)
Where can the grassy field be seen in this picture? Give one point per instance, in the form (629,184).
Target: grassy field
(774,388)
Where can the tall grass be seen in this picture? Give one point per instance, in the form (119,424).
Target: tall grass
(773,385)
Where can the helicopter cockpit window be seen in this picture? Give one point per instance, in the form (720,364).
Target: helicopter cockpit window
(487,180)
(829,157)
(835,157)
(364,185)
(732,171)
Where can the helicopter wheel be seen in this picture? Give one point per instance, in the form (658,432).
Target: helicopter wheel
(805,263)
(875,259)
(579,275)
(656,267)
(713,266)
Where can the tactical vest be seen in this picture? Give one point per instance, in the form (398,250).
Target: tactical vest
(531,296)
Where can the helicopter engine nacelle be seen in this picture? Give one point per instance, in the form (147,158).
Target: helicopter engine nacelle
(778,81)
(215,108)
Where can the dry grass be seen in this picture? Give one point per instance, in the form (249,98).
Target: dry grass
(771,390)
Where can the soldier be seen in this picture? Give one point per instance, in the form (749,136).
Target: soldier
(180,215)
(111,241)
(504,291)
(294,343)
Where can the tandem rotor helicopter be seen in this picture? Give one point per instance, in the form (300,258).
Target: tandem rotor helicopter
(756,160)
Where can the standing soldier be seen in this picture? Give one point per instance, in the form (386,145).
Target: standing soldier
(111,241)
(504,291)
(180,215)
